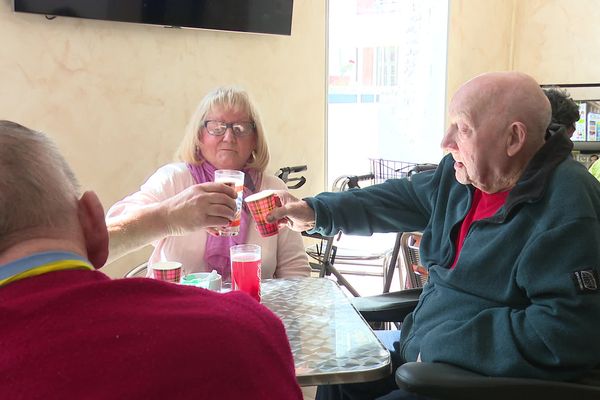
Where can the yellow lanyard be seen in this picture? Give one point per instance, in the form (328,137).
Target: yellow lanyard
(58,265)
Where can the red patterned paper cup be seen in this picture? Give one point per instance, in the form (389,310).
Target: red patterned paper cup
(168,271)
(260,204)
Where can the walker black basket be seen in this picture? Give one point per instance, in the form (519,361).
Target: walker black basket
(390,169)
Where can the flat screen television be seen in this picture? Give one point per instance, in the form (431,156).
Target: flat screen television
(259,16)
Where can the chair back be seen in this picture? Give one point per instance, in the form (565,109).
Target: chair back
(138,272)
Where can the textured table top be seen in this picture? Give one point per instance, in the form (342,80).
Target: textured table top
(330,340)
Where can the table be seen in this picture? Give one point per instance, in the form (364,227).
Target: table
(330,340)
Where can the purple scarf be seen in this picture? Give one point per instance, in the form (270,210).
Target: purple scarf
(216,249)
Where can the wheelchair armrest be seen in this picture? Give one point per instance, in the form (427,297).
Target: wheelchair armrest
(444,381)
(387,307)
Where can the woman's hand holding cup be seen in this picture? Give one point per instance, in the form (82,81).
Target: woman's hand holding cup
(199,206)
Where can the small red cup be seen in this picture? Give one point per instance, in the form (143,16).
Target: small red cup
(260,204)
(168,271)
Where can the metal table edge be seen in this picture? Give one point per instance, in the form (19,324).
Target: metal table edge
(342,377)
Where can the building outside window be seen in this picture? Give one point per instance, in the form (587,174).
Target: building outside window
(387,82)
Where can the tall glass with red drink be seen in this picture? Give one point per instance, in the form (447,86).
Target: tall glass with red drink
(245,269)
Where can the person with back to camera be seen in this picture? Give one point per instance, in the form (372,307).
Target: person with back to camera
(178,207)
(70,332)
(565,112)
(509,221)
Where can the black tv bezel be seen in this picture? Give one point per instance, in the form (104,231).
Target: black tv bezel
(285,28)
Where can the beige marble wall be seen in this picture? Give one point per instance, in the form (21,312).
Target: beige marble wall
(479,39)
(555,41)
(558,41)
(116,96)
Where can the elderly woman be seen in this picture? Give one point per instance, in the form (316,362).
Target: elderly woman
(178,207)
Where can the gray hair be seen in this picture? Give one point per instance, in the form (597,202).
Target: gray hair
(38,190)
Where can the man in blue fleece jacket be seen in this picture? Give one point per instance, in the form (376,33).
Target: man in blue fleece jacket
(510,239)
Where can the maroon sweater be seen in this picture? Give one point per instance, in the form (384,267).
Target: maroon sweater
(77,334)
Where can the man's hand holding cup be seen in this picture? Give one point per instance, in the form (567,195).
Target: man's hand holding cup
(293,213)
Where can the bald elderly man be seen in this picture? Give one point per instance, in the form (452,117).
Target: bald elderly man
(510,239)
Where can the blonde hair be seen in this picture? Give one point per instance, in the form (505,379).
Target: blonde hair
(228,97)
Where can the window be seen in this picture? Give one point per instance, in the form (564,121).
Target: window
(386,86)
(387,66)
(386,93)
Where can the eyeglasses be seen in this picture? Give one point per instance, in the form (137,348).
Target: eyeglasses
(240,129)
